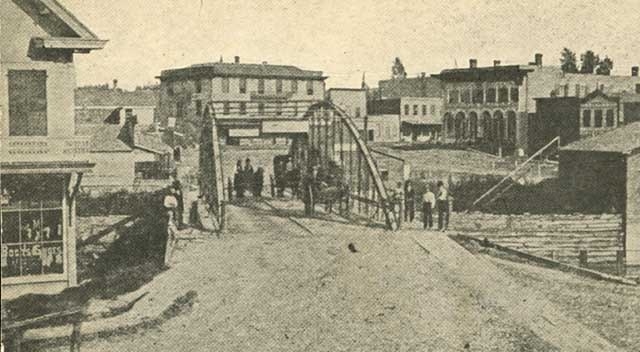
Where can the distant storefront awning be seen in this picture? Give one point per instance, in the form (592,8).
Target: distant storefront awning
(421,124)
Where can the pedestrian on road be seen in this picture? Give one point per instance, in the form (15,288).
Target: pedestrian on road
(428,204)
(237,180)
(443,207)
(247,175)
(311,187)
(258,182)
(177,191)
(409,202)
(170,203)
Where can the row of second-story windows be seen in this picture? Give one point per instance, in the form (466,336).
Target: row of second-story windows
(480,96)
(594,118)
(239,108)
(416,109)
(242,86)
(27,102)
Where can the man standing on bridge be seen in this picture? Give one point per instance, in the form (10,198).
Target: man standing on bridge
(443,207)
(310,190)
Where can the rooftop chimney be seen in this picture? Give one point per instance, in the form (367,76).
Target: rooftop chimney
(115,84)
(422,74)
(264,63)
(538,59)
(496,63)
(634,71)
(473,63)
(236,59)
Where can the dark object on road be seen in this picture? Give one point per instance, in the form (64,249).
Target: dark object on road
(352,248)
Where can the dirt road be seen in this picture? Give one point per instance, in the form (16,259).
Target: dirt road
(272,284)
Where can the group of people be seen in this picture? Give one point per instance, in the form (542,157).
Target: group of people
(246,179)
(430,201)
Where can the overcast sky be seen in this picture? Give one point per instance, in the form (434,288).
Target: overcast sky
(346,38)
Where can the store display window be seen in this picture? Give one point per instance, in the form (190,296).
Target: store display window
(31,218)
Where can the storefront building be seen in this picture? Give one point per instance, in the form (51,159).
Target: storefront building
(41,160)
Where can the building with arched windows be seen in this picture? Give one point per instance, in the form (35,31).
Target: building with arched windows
(494,106)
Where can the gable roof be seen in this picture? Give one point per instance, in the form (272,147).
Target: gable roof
(103,137)
(106,97)
(411,87)
(223,69)
(85,39)
(598,94)
(624,140)
(109,138)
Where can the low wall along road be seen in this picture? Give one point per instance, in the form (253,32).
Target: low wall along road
(561,237)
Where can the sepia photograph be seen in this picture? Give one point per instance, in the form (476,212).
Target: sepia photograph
(288,175)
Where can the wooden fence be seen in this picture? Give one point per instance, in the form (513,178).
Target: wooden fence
(576,239)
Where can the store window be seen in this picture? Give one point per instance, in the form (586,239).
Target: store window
(491,95)
(503,95)
(309,87)
(406,109)
(294,86)
(597,118)
(243,85)
(478,95)
(586,118)
(278,86)
(610,118)
(465,96)
(27,103)
(515,96)
(32,225)
(225,84)
(454,97)
(424,110)
(415,109)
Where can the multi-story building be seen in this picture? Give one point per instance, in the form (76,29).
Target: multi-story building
(418,118)
(493,105)
(41,160)
(417,101)
(352,100)
(253,102)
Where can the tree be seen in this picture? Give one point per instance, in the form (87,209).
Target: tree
(397,70)
(605,66)
(589,62)
(568,61)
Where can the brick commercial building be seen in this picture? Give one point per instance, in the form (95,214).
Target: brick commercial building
(602,174)
(493,105)
(254,103)
(41,160)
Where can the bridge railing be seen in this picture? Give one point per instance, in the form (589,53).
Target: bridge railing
(211,178)
(334,142)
